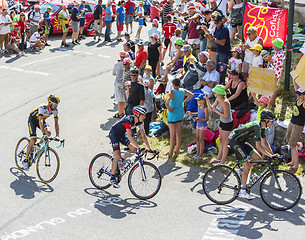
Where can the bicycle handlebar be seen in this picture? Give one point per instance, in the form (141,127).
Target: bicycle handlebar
(62,142)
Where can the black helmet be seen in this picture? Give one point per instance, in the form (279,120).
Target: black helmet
(53,99)
(267,115)
(139,110)
(134,70)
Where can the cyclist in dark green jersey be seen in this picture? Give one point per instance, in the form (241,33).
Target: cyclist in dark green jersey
(242,140)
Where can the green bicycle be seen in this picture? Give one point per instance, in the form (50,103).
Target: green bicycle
(46,158)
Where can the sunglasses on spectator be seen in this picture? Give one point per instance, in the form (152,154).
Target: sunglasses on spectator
(249,34)
(133,75)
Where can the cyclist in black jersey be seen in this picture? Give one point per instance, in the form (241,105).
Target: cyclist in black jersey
(37,120)
(240,143)
(121,132)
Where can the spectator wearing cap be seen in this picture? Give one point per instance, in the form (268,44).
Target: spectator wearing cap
(98,20)
(136,92)
(235,7)
(108,20)
(172,48)
(118,70)
(258,60)
(129,13)
(82,19)
(127,48)
(193,36)
(140,14)
(296,126)
(222,40)
(21,28)
(154,29)
(34,19)
(154,11)
(141,57)
(14,40)
(154,50)
(120,15)
(168,31)
(128,40)
(252,39)
(149,104)
(235,62)
(75,19)
(188,58)
(46,23)
(5,22)
(222,107)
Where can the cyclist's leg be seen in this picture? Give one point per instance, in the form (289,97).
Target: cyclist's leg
(116,151)
(125,141)
(33,138)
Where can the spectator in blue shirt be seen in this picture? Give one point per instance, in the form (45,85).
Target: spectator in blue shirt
(75,16)
(82,19)
(120,14)
(108,18)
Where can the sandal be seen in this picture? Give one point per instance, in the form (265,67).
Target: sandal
(215,161)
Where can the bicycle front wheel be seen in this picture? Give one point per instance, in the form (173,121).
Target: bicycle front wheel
(47,165)
(221,184)
(144,180)
(20,152)
(282,194)
(98,168)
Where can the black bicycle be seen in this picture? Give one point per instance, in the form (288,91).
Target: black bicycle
(279,189)
(144,180)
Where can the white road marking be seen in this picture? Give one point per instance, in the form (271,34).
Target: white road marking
(25,71)
(45,59)
(103,56)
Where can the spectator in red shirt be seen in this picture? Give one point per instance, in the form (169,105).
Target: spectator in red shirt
(113,6)
(168,31)
(154,11)
(129,13)
(21,28)
(13,40)
(141,57)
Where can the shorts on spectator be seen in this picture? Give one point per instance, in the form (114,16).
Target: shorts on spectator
(141,21)
(128,19)
(13,47)
(65,28)
(194,41)
(226,126)
(46,30)
(166,42)
(98,26)
(75,26)
(33,28)
(202,128)
(32,44)
(236,17)
(293,134)
(120,26)
(4,38)
(82,22)
(119,93)
(245,67)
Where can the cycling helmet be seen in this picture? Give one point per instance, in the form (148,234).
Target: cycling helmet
(267,115)
(53,99)
(139,110)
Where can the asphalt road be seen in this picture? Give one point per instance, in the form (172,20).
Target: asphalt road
(70,207)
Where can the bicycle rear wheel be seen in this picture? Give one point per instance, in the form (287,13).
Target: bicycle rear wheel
(284,198)
(221,184)
(98,167)
(20,152)
(47,167)
(144,180)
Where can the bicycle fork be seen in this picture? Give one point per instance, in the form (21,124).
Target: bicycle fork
(276,180)
(142,171)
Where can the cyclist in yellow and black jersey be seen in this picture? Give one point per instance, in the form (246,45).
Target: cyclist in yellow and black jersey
(37,120)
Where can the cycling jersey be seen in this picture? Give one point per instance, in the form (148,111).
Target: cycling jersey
(43,110)
(118,134)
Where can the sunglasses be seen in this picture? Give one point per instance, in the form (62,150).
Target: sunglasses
(133,75)
(249,34)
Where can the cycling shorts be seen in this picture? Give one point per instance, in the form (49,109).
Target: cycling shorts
(33,125)
(116,140)
(242,150)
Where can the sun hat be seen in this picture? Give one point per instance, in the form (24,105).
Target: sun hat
(123,54)
(205,53)
(264,99)
(179,42)
(191,8)
(217,16)
(126,60)
(148,67)
(140,43)
(299,91)
(155,35)
(146,83)
(278,43)
(219,89)
(37,6)
(257,47)
(141,2)
(236,49)
(186,48)
(49,7)
(200,97)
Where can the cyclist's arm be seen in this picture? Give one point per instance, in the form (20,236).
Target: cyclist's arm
(56,126)
(131,139)
(267,146)
(144,137)
(40,119)
(261,149)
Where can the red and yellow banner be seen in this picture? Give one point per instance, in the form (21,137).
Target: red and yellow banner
(271,23)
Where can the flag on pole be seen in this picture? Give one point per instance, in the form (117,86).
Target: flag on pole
(271,23)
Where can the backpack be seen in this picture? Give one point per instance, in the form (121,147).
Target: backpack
(131,8)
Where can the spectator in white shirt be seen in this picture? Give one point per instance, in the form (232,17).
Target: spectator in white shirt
(5,22)
(35,18)
(35,40)
(258,59)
